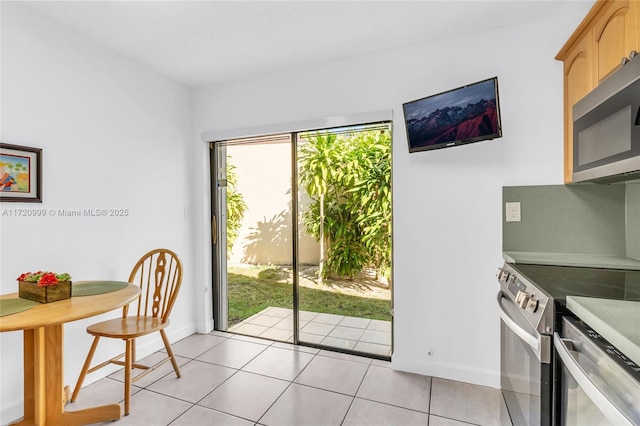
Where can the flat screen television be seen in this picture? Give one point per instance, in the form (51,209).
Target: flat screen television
(459,116)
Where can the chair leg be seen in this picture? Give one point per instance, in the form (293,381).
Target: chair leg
(127,375)
(167,346)
(85,368)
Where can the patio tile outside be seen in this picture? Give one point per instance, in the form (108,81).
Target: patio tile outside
(344,332)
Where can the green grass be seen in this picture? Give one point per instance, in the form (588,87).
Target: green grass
(250,294)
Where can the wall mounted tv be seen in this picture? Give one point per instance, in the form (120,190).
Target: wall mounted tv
(459,116)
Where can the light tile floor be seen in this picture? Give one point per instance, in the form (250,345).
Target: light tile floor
(229,379)
(338,331)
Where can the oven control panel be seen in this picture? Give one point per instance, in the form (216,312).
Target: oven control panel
(527,301)
(528,298)
(515,286)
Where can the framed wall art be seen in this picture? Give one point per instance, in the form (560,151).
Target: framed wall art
(20,174)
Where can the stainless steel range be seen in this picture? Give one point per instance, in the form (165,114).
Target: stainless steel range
(525,338)
(532,305)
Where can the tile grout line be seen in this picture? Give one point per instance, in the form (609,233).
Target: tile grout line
(356,394)
(291,382)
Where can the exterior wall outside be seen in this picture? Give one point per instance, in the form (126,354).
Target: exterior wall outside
(264,180)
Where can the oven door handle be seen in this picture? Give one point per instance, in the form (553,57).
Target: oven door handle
(585,383)
(528,338)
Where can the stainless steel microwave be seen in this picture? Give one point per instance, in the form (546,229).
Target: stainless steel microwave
(606,129)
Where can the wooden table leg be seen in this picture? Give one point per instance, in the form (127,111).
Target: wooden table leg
(29,375)
(44,391)
(54,366)
(34,377)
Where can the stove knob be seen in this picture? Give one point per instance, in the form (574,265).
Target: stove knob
(521,296)
(522,299)
(532,305)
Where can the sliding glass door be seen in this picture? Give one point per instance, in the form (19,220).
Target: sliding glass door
(344,204)
(253,251)
(302,237)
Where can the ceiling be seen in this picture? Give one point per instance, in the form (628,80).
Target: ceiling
(207,42)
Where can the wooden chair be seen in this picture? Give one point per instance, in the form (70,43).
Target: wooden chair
(159,275)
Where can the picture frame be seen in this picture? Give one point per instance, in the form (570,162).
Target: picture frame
(20,174)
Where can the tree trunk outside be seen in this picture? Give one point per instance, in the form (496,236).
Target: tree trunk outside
(321,265)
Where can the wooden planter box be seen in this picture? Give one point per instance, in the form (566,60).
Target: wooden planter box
(46,294)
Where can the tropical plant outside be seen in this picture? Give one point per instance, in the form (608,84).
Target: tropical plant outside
(348,177)
(236,206)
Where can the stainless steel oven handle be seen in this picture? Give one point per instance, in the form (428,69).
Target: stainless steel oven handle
(528,338)
(596,395)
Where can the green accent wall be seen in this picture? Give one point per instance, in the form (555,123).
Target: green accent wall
(633,220)
(573,219)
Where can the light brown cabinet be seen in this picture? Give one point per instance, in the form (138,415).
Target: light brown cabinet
(609,32)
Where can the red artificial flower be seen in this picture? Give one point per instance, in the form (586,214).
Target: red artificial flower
(44,278)
(48,279)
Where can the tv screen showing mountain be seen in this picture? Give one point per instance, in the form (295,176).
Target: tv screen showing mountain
(459,116)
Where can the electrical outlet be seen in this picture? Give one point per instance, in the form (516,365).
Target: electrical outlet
(513,211)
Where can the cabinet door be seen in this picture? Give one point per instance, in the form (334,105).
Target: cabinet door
(615,32)
(579,79)
(634,21)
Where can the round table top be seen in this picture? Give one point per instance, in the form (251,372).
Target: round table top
(67,310)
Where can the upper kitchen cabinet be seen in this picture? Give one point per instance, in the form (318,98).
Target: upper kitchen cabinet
(615,34)
(578,81)
(608,33)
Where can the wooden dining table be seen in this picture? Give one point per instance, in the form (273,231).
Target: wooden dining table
(45,395)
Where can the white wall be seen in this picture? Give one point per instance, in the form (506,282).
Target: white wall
(114,135)
(447,203)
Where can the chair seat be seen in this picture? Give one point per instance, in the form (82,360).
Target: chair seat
(127,328)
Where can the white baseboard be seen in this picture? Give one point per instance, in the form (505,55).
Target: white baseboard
(447,371)
(11,413)
(208,326)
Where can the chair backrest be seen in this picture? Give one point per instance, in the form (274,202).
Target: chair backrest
(159,276)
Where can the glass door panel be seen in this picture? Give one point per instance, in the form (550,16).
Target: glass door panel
(255,257)
(344,234)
